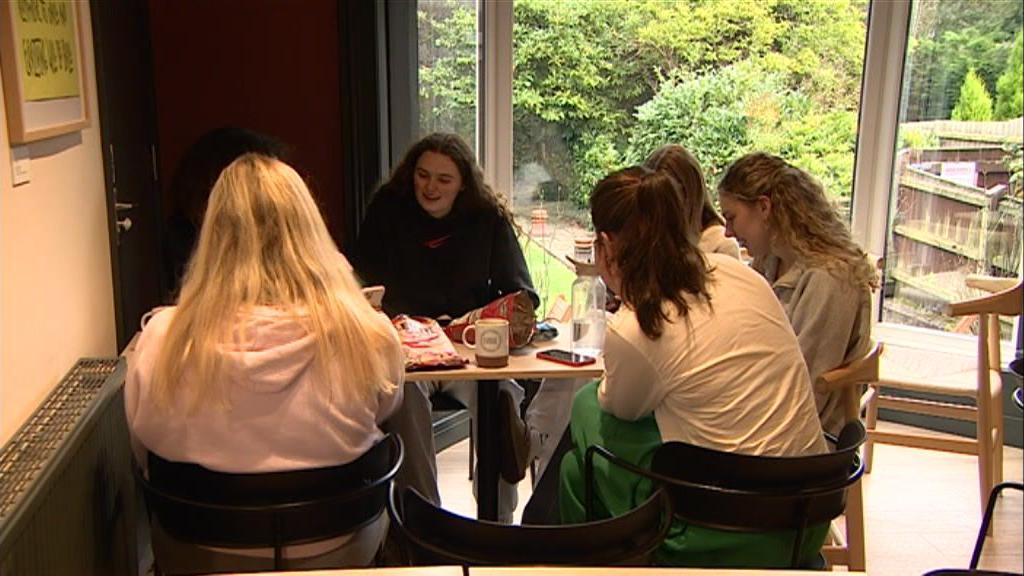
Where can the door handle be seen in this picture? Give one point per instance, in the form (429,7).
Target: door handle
(118,206)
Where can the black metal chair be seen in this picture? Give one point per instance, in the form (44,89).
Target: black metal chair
(1017,367)
(742,493)
(437,536)
(191,507)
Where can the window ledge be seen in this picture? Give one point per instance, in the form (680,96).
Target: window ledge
(935,341)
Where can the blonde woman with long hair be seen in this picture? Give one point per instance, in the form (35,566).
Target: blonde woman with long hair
(272,359)
(823,279)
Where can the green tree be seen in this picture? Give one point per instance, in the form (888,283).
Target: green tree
(974,102)
(600,83)
(700,36)
(948,37)
(447,71)
(820,49)
(575,87)
(1010,88)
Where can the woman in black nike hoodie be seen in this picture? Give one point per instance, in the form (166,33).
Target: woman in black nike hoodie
(442,243)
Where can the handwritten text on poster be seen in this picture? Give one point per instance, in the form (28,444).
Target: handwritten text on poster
(48,51)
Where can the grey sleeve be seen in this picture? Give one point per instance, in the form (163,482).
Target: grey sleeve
(828,316)
(825,315)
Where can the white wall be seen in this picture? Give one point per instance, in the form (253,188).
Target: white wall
(56,296)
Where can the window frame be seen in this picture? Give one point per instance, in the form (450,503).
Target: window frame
(877,131)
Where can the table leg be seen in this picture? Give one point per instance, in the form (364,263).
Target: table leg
(488,456)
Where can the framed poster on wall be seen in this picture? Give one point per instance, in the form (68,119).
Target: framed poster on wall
(41,59)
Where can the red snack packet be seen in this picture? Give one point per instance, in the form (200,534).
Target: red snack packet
(425,345)
(516,307)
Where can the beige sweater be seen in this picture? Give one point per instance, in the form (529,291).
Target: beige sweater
(714,241)
(832,321)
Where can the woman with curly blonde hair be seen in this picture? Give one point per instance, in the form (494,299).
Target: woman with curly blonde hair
(823,279)
(272,360)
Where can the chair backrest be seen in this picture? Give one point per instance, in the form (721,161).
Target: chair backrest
(849,378)
(1006,299)
(438,536)
(199,506)
(743,493)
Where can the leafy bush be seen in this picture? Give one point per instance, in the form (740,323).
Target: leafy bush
(910,138)
(704,113)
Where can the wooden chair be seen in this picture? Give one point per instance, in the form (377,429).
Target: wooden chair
(982,386)
(853,381)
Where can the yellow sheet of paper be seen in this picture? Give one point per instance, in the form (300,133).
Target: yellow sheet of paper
(48,52)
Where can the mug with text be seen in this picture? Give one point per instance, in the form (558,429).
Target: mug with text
(490,342)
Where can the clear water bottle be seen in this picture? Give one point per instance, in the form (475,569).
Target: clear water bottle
(588,315)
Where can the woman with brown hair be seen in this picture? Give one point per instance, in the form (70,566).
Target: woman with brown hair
(442,243)
(438,237)
(683,167)
(700,352)
(823,279)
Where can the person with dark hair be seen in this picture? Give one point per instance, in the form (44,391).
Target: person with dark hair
(442,243)
(700,352)
(438,237)
(804,249)
(683,167)
(191,184)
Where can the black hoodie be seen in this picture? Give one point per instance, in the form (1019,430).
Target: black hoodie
(438,266)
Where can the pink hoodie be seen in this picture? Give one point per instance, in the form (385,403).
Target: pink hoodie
(277,418)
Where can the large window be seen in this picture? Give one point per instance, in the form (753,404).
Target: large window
(601,84)
(955,205)
(598,84)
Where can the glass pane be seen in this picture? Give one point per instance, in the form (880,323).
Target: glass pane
(601,84)
(447,41)
(955,206)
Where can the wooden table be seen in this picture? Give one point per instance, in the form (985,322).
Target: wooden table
(618,571)
(404,571)
(522,364)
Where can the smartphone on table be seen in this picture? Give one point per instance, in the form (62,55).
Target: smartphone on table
(566,357)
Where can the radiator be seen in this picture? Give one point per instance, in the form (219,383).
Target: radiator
(67,500)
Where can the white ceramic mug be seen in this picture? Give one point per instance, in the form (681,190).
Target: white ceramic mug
(491,342)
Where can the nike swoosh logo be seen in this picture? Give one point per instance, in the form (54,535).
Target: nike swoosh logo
(437,242)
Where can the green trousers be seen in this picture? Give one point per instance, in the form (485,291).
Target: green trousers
(616,491)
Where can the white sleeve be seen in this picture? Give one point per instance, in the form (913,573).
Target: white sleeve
(630,389)
(138,376)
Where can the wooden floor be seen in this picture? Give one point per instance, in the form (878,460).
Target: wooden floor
(922,509)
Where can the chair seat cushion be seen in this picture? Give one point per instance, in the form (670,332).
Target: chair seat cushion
(930,371)
(963,384)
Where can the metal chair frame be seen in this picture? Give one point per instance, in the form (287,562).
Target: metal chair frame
(800,496)
(158,501)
